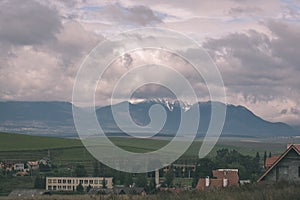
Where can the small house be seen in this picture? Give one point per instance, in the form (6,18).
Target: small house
(19,167)
(285,167)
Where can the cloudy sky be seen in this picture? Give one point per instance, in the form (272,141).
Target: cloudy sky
(255,45)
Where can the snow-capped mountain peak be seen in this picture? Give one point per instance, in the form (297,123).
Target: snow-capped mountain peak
(167,102)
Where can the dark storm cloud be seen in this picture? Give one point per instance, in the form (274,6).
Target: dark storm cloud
(136,15)
(259,65)
(286,45)
(27,23)
(73,43)
(126,60)
(284,111)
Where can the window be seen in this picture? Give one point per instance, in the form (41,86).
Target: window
(96,181)
(49,180)
(91,181)
(64,187)
(59,187)
(86,181)
(285,170)
(59,180)
(69,181)
(81,181)
(69,187)
(54,187)
(54,181)
(64,181)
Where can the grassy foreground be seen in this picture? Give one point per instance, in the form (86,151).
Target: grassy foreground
(251,192)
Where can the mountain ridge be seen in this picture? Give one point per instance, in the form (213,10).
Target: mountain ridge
(56,118)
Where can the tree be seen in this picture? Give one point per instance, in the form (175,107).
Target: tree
(204,168)
(128,179)
(79,188)
(257,157)
(152,186)
(257,163)
(39,182)
(169,177)
(44,167)
(222,158)
(247,165)
(256,167)
(80,171)
(265,157)
(104,183)
(88,188)
(141,181)
(96,169)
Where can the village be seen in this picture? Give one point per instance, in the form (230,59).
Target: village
(277,168)
(26,168)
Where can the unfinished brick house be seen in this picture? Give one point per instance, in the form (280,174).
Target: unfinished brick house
(221,178)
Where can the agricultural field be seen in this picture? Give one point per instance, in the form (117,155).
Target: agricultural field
(20,142)
(67,153)
(24,147)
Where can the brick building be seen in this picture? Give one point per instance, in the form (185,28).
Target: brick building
(221,178)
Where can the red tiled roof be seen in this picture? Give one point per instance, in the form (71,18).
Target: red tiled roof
(270,161)
(296,147)
(231,175)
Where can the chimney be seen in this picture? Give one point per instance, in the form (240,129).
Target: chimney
(207,181)
(225,182)
(157,178)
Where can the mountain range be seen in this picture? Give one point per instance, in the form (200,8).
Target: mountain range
(56,118)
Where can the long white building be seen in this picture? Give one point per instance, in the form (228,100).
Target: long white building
(70,183)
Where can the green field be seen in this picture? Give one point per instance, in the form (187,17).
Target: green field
(70,152)
(26,147)
(20,142)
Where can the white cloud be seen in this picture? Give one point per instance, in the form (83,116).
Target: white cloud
(262,70)
(42,44)
(27,23)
